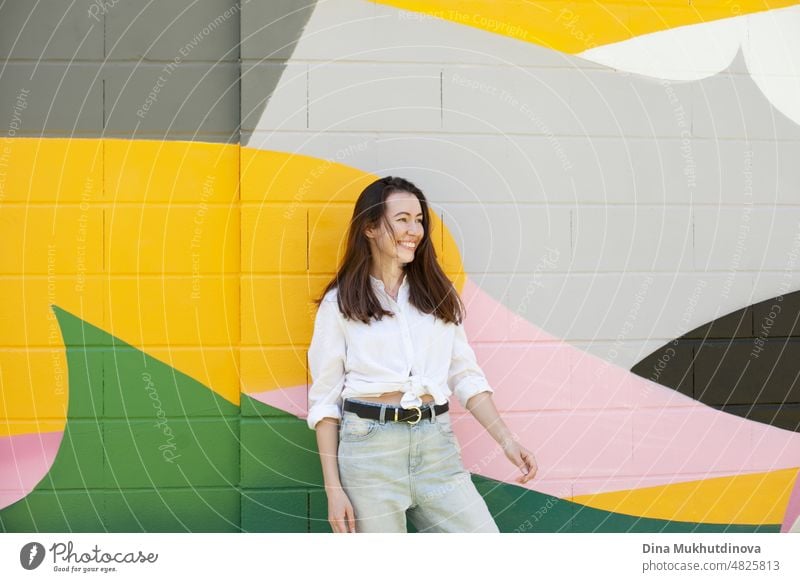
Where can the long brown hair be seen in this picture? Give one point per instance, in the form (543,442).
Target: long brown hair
(430,290)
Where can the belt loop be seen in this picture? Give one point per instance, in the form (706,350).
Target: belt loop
(383,414)
(432,406)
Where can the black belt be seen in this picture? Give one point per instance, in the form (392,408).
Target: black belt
(395,413)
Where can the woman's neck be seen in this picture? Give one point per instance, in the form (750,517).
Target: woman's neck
(392,281)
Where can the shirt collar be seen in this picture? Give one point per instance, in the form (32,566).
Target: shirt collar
(378,284)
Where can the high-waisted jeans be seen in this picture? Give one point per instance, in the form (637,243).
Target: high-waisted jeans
(390,468)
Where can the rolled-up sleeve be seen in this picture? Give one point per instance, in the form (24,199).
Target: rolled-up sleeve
(326,363)
(465,377)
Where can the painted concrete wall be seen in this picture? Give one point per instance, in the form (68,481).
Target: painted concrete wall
(615,195)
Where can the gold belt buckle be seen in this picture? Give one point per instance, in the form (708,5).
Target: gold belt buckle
(419,412)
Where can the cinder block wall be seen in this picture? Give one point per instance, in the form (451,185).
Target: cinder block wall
(174,184)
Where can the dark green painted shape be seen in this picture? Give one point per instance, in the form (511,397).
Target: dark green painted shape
(139,386)
(279,453)
(275,511)
(172,510)
(54,511)
(521,510)
(743,363)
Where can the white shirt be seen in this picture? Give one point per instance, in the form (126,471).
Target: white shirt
(413,352)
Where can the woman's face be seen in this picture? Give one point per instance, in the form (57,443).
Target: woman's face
(404,213)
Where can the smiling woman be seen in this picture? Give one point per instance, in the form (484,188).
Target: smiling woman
(388,351)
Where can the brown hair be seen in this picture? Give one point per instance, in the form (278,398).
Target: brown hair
(430,290)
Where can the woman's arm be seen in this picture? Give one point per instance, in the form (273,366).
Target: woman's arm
(482,407)
(340,511)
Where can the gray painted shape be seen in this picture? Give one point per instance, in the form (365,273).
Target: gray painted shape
(186,30)
(258,83)
(194,99)
(82,107)
(713,101)
(271,28)
(28,27)
(56,99)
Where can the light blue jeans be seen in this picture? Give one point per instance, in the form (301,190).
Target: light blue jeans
(390,468)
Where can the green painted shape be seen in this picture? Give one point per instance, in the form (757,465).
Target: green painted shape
(172,510)
(88,372)
(318,512)
(79,463)
(279,452)
(55,511)
(202,492)
(255,408)
(194,452)
(275,511)
(210,455)
(137,385)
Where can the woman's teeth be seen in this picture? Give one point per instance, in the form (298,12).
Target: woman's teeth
(408,245)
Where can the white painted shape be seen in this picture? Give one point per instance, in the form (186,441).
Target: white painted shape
(770,42)
(286,108)
(685,53)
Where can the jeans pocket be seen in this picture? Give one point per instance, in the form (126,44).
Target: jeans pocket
(444,424)
(354,428)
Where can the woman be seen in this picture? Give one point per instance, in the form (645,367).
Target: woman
(388,350)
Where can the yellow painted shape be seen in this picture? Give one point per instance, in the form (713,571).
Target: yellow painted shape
(51,170)
(278,311)
(188,317)
(51,239)
(274,238)
(26,319)
(181,311)
(173,310)
(171,171)
(33,384)
(13,428)
(327,233)
(270,176)
(754,499)
(270,368)
(216,367)
(191,240)
(573,27)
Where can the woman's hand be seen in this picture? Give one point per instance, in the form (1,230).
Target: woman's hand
(522,458)
(340,511)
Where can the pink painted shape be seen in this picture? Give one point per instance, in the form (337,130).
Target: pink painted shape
(793,509)
(293,400)
(594,427)
(24,461)
(620,426)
